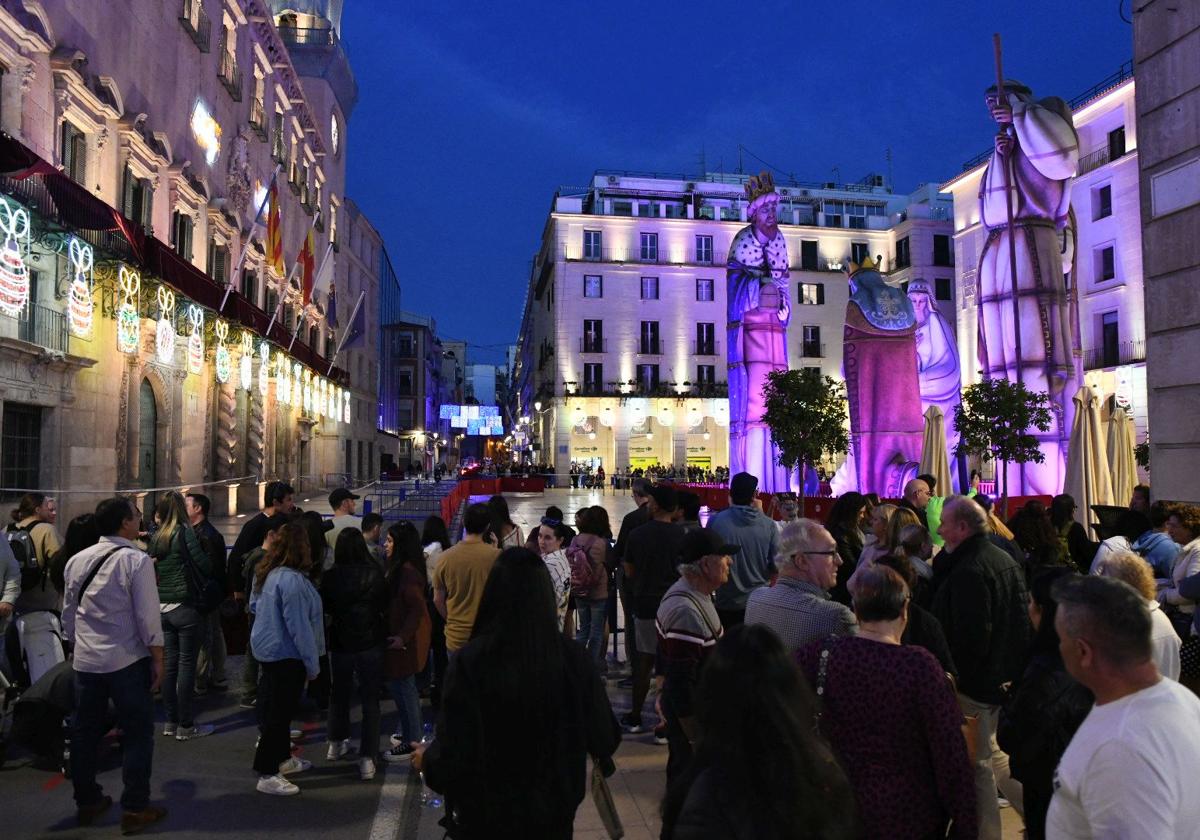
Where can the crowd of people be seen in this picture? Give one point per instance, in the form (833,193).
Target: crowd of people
(1021,663)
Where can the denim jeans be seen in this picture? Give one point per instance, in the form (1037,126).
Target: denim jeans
(367,665)
(129,691)
(592,612)
(408,707)
(182,628)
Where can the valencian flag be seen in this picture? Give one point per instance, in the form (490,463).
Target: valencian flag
(274,232)
(305,262)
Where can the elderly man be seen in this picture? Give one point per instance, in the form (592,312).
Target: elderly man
(798,607)
(111,612)
(688,628)
(1128,769)
(981,602)
(916,498)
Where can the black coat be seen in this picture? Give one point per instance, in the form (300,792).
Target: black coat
(355,597)
(981,602)
(849,547)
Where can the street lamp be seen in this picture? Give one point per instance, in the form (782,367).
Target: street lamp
(537,405)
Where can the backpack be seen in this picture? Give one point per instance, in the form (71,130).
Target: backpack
(584,574)
(33,573)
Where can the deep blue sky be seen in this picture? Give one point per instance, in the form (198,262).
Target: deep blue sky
(471,115)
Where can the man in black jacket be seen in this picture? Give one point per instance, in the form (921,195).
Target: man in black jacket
(981,601)
(210,665)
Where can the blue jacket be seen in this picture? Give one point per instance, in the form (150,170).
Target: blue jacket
(287,620)
(754,565)
(1159,550)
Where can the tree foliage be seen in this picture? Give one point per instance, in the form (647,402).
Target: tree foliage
(1141,454)
(806,413)
(994,420)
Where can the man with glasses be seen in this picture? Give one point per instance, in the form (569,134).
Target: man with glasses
(798,607)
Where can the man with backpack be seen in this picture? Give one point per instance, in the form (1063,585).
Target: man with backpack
(34,542)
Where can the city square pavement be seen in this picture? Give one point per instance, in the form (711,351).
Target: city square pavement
(208,786)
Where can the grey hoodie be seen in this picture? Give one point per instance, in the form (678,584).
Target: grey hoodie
(753,566)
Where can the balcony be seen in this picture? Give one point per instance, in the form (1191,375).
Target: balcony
(650,348)
(306,36)
(812,350)
(626,255)
(706,348)
(1097,159)
(44,327)
(258,119)
(1113,354)
(593,345)
(196,24)
(230,75)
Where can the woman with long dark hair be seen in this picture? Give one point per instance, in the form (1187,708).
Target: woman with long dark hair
(1079,547)
(731,789)
(408,634)
(845,523)
(82,532)
(507,533)
(174,547)
(587,554)
(436,539)
(1043,710)
(518,674)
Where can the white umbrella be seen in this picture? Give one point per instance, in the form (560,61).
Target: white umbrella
(1088,478)
(1120,456)
(933,451)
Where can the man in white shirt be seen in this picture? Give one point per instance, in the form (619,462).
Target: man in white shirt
(1128,771)
(343,503)
(111,613)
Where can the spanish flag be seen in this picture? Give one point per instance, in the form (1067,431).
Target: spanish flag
(274,232)
(306,263)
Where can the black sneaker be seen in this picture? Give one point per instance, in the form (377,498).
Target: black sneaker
(398,753)
(631,724)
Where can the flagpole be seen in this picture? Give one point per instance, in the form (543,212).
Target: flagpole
(349,323)
(296,329)
(287,283)
(246,245)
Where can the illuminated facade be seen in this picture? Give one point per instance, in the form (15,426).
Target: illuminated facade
(168,121)
(621,355)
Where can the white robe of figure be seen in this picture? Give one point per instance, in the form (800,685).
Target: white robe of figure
(1041,164)
(938,369)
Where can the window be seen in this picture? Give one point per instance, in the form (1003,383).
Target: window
(593,378)
(704,289)
(21,445)
(74,153)
(943,288)
(622,208)
(1116,143)
(250,286)
(258,107)
(942,253)
(704,250)
(810,345)
(137,198)
(404,382)
(903,255)
(592,245)
(859,251)
(856,214)
(1102,202)
(649,288)
(649,338)
(645,209)
(593,286)
(1106,264)
(1110,338)
(218,261)
(278,147)
(811,294)
(808,255)
(647,381)
(271,302)
(706,376)
(593,336)
(649,249)
(405,345)
(181,234)
(706,339)
(833,213)
(405,420)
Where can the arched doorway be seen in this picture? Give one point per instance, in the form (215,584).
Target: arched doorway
(147,440)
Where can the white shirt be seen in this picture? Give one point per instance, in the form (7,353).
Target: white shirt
(1129,771)
(560,576)
(1164,642)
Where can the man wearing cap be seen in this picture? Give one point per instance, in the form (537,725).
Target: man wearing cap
(650,558)
(343,503)
(798,607)
(688,627)
(744,525)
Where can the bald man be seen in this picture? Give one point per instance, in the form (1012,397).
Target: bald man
(916,499)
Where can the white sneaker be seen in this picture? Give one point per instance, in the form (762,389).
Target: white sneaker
(295,734)
(366,769)
(169,729)
(190,732)
(276,786)
(337,749)
(294,765)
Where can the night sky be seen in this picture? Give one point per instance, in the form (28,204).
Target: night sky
(471,115)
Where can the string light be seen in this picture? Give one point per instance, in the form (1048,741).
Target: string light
(297,388)
(264,368)
(164,335)
(195,348)
(345,406)
(245,364)
(14,274)
(283,381)
(129,322)
(79,302)
(222,362)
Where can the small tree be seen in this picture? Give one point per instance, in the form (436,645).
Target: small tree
(806,413)
(1141,454)
(994,421)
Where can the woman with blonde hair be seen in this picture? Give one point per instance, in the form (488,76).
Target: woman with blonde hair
(1134,570)
(878,525)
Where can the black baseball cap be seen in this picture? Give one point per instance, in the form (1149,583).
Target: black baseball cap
(340,495)
(703,542)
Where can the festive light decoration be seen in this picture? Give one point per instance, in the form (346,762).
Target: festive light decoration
(721,413)
(195,347)
(164,335)
(206,131)
(14,274)
(79,303)
(308,391)
(245,364)
(264,368)
(283,380)
(606,417)
(297,388)
(221,361)
(345,406)
(666,417)
(129,322)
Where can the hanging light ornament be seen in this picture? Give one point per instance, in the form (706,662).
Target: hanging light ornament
(721,412)
(79,304)
(164,335)
(666,416)
(283,381)
(195,347)
(297,387)
(129,322)
(14,274)
(246,363)
(346,406)
(264,368)
(308,391)
(221,362)
(606,417)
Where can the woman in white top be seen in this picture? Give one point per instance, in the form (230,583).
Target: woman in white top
(1183,526)
(1164,641)
(876,542)
(436,539)
(506,532)
(1129,526)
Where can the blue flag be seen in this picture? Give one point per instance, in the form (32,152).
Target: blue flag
(356,331)
(331,309)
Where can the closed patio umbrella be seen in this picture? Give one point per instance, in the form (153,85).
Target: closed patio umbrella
(933,451)
(1120,456)
(1088,478)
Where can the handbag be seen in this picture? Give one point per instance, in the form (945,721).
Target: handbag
(206,593)
(605,806)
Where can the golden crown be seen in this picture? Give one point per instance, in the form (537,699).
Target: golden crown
(758,186)
(867,264)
